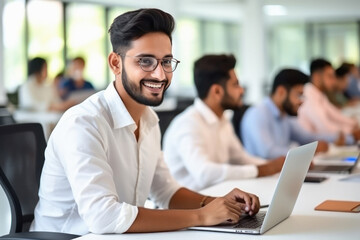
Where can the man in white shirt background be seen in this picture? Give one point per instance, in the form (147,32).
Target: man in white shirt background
(200,145)
(104,159)
(317,114)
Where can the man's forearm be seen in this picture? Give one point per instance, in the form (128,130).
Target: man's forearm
(150,220)
(187,199)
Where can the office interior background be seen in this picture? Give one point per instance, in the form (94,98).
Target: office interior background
(264,35)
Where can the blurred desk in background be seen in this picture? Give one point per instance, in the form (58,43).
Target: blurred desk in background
(47,119)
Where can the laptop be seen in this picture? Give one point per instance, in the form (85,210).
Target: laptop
(80,95)
(292,176)
(343,169)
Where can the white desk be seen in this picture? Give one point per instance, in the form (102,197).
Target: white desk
(304,223)
(48,120)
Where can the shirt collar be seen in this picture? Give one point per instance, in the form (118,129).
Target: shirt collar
(208,115)
(272,107)
(313,91)
(121,116)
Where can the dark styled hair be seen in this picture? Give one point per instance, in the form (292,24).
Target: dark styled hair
(318,65)
(343,70)
(134,24)
(35,65)
(289,78)
(80,59)
(212,69)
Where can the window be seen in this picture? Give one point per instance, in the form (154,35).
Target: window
(86,35)
(287,48)
(14,44)
(196,38)
(45,33)
(336,42)
(294,45)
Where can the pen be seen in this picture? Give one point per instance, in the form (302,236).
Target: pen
(264,206)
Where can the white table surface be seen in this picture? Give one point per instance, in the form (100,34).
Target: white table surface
(48,120)
(304,223)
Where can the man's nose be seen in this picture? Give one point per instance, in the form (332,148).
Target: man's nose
(158,72)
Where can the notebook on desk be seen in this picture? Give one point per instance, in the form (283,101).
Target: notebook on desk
(344,169)
(292,176)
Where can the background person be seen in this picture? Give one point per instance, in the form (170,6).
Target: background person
(270,128)
(317,114)
(76,81)
(36,94)
(200,145)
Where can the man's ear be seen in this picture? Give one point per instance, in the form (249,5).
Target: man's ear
(216,91)
(281,92)
(115,64)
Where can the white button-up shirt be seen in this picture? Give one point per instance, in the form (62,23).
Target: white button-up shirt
(96,173)
(37,96)
(318,115)
(202,150)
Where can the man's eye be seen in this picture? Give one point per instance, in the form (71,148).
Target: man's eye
(146,61)
(166,61)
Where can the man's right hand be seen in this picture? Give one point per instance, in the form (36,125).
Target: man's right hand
(229,208)
(356,134)
(340,141)
(271,167)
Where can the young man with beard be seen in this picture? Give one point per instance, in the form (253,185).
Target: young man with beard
(104,159)
(200,145)
(318,114)
(270,128)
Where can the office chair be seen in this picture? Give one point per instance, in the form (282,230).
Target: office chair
(6,117)
(21,161)
(236,119)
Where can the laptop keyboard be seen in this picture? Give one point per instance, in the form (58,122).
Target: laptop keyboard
(248,221)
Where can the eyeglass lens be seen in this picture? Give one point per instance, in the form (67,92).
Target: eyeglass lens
(150,63)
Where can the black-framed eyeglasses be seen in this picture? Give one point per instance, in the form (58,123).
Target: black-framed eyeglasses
(149,64)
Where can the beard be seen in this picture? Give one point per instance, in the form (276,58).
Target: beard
(289,108)
(135,92)
(229,103)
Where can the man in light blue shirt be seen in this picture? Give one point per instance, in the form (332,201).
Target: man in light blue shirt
(270,128)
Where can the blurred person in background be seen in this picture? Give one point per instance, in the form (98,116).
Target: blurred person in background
(339,97)
(200,145)
(37,94)
(75,81)
(270,128)
(353,89)
(317,114)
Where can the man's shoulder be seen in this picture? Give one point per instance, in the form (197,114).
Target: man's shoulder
(186,119)
(255,111)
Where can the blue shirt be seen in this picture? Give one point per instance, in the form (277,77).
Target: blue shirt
(353,89)
(68,85)
(269,134)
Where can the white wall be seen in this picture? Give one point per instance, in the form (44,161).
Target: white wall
(3,98)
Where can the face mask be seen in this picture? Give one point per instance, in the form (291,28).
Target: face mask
(78,75)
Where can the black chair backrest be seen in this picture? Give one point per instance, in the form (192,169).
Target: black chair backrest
(236,119)
(22,149)
(6,117)
(16,214)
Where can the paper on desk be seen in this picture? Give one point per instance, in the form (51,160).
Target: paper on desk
(352,178)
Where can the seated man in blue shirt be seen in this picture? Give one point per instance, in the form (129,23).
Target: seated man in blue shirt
(269,129)
(76,81)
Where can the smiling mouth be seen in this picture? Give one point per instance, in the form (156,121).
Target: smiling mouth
(155,85)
